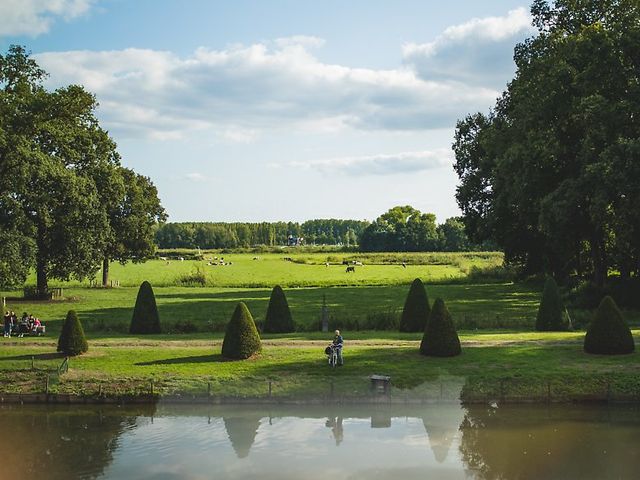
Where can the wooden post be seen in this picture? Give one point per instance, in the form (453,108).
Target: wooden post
(100,390)
(325,314)
(208,389)
(269,388)
(31,362)
(46,385)
(151,381)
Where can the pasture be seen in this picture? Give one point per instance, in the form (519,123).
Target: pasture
(247,270)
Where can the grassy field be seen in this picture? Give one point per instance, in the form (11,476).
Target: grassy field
(512,365)
(503,357)
(304,270)
(208,309)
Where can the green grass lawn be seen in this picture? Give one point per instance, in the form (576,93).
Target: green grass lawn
(305,270)
(510,365)
(109,310)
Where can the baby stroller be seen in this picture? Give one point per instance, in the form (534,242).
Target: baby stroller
(332,354)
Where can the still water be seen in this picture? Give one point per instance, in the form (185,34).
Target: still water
(442,441)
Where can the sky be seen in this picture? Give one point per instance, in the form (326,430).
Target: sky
(268,110)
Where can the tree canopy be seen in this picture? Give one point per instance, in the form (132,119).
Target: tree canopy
(550,174)
(65,200)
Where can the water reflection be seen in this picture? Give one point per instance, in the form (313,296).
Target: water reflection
(443,441)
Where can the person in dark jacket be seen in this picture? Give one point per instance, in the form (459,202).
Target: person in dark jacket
(338,341)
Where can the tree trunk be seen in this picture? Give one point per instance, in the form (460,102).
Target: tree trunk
(42,283)
(599,264)
(105,272)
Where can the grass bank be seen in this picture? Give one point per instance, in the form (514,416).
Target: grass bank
(506,367)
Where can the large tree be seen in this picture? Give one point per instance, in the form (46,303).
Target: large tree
(134,211)
(550,174)
(62,191)
(401,229)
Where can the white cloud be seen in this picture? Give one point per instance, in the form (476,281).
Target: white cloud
(195,177)
(34,17)
(381,164)
(478,52)
(241,91)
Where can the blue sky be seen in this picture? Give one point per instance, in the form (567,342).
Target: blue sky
(280,110)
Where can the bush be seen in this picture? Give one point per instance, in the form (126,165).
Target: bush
(72,340)
(416,309)
(241,339)
(440,338)
(608,333)
(550,312)
(145,317)
(278,318)
(197,278)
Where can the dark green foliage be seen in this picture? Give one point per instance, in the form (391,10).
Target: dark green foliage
(72,340)
(278,319)
(608,333)
(416,309)
(550,318)
(241,339)
(440,338)
(145,314)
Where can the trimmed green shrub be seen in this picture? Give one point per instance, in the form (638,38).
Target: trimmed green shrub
(440,338)
(416,309)
(550,318)
(608,333)
(241,339)
(145,317)
(72,340)
(278,319)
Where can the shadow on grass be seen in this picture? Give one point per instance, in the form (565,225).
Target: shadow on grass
(39,356)
(216,358)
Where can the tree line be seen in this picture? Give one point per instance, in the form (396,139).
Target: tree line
(401,229)
(246,234)
(67,205)
(551,173)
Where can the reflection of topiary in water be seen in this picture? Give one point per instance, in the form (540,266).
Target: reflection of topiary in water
(608,333)
(241,339)
(549,317)
(278,318)
(72,340)
(440,338)
(416,309)
(145,314)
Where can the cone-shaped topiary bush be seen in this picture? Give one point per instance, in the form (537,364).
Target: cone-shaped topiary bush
(416,309)
(72,340)
(608,333)
(241,339)
(145,317)
(550,318)
(440,338)
(278,319)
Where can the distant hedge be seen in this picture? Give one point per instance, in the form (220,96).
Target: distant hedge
(550,310)
(72,340)
(608,333)
(278,318)
(440,338)
(241,339)
(145,317)
(416,309)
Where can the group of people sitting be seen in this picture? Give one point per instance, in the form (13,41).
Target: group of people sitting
(27,324)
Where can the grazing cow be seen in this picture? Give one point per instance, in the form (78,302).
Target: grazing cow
(404,265)
(181,259)
(345,262)
(326,264)
(351,269)
(164,259)
(358,264)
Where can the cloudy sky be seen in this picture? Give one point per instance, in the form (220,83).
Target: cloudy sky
(251,110)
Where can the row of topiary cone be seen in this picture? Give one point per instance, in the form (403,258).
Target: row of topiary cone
(608,332)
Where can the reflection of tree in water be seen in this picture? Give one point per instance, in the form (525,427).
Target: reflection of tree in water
(242,433)
(441,423)
(335,424)
(60,442)
(556,442)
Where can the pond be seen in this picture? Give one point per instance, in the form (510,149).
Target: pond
(440,441)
